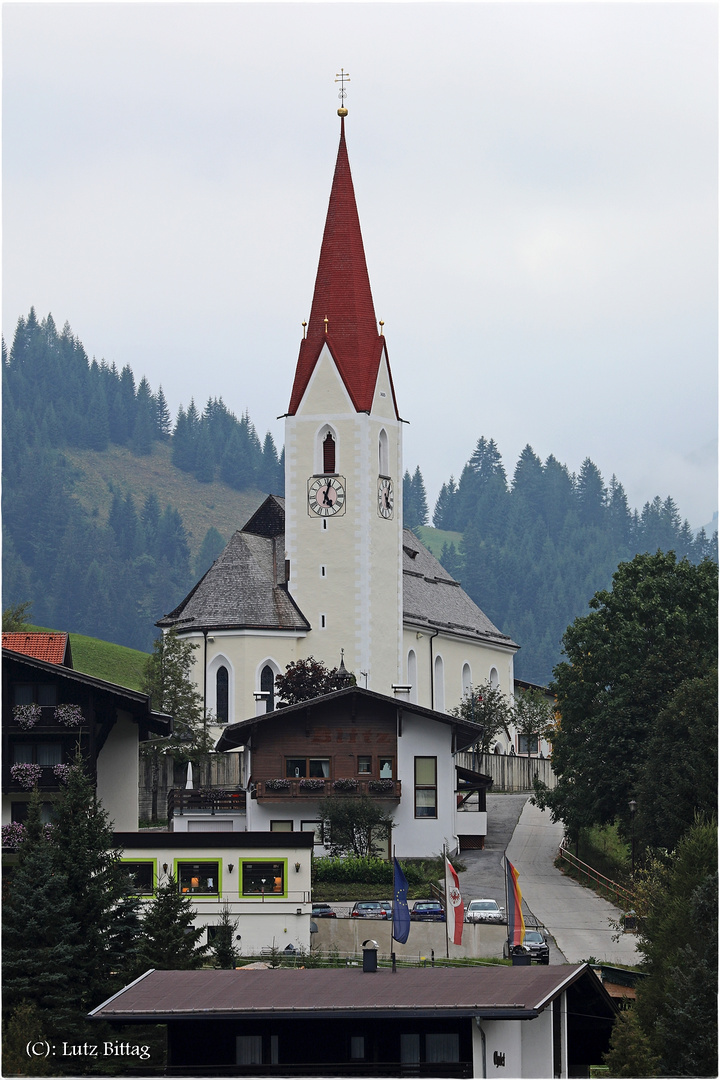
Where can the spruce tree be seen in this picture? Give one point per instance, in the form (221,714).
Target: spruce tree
(170,941)
(223,949)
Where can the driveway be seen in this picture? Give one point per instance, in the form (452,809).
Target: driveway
(577,919)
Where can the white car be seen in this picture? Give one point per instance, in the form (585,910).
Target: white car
(484,911)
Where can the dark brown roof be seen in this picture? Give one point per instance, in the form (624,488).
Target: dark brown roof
(491,991)
(235,735)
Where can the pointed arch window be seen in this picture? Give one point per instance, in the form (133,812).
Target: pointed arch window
(267,686)
(222,702)
(383,454)
(328,447)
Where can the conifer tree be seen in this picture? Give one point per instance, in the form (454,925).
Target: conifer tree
(170,941)
(210,548)
(163,425)
(222,946)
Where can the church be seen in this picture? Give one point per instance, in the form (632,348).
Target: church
(329,571)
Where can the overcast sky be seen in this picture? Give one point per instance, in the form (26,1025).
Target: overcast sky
(537,187)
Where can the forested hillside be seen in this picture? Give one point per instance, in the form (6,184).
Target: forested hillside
(535,550)
(105,552)
(111,512)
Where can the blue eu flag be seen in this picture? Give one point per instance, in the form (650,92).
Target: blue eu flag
(401,915)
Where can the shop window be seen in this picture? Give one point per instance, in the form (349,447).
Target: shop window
(364,764)
(264,878)
(302,767)
(142,875)
(426,787)
(200,878)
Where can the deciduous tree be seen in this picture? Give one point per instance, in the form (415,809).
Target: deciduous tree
(309,678)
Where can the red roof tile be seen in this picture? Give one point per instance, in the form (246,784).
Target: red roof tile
(343,296)
(53,648)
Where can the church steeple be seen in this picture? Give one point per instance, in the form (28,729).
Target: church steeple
(342,315)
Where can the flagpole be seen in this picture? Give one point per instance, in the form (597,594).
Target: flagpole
(392,913)
(507,901)
(447,909)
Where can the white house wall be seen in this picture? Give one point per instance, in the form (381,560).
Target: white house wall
(420,837)
(118,773)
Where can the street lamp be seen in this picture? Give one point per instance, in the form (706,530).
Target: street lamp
(633,808)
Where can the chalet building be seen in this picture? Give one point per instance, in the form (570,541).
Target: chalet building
(356,742)
(48,710)
(264,878)
(432,1022)
(329,570)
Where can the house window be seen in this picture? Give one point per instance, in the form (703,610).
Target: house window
(319,767)
(281,826)
(387,771)
(364,764)
(315,827)
(410,1049)
(267,686)
(142,875)
(426,787)
(198,877)
(527,744)
(357,1047)
(221,694)
(38,753)
(264,878)
(42,693)
(442,1046)
(19,811)
(248,1050)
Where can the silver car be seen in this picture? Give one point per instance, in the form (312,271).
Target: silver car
(484,911)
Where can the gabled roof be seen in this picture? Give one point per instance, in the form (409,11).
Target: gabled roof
(342,296)
(243,589)
(492,992)
(54,648)
(434,600)
(236,735)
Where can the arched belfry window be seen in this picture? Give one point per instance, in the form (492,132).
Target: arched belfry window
(267,686)
(221,694)
(329,453)
(383,454)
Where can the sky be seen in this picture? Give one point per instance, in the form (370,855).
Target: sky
(537,188)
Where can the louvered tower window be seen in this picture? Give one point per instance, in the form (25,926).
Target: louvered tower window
(328,454)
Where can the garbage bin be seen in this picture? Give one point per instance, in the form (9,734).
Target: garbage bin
(370,951)
(520,956)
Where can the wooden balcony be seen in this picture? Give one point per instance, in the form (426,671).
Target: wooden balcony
(285,790)
(205,801)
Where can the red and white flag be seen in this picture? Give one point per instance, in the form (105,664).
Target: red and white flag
(455,911)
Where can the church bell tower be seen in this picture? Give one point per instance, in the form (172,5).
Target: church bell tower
(343,462)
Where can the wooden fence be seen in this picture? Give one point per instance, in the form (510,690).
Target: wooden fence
(509,772)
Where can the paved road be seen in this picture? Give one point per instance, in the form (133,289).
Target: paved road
(575,917)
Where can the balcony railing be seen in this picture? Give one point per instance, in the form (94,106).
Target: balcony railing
(281,790)
(205,801)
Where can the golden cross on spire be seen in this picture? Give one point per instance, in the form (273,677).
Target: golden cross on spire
(342,77)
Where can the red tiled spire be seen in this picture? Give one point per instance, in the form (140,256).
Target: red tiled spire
(343,297)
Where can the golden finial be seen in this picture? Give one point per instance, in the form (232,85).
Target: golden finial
(325,320)
(342,78)
(382,333)
(304,325)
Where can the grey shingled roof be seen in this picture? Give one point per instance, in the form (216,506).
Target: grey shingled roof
(244,588)
(432,598)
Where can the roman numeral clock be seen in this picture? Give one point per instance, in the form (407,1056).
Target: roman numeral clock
(326,495)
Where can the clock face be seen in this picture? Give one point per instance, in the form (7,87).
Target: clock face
(326,496)
(386,497)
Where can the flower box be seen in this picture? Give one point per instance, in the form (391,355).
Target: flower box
(27,774)
(27,716)
(345,784)
(69,715)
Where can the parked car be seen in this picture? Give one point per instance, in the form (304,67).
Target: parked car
(536,942)
(427,911)
(323,911)
(484,911)
(370,909)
